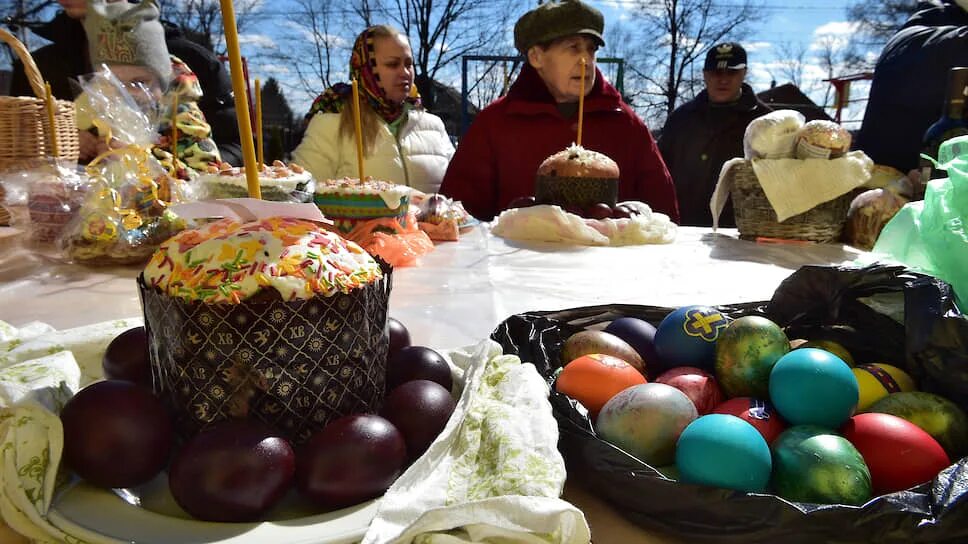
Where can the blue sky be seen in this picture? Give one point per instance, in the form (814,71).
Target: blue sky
(805,24)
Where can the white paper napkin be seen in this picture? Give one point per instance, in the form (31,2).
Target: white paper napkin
(794,186)
(552,224)
(494,474)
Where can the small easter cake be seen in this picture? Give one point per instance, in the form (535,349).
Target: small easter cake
(349,202)
(277,182)
(577,177)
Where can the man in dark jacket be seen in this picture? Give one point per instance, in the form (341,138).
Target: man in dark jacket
(67,58)
(707,131)
(908,90)
(496,161)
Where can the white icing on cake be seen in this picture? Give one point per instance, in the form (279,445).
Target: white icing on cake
(287,179)
(228,262)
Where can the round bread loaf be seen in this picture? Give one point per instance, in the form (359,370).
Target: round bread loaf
(821,139)
(578,162)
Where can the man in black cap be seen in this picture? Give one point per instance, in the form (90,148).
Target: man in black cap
(498,158)
(707,131)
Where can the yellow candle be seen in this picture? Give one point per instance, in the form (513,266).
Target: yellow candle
(241,98)
(174,128)
(51,105)
(258,123)
(581,101)
(359,128)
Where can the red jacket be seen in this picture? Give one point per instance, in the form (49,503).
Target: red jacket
(497,159)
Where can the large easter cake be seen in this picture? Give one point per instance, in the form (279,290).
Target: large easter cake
(277,319)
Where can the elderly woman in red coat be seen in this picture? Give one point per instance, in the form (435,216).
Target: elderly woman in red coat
(497,159)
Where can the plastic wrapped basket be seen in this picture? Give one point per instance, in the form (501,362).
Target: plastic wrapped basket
(755,217)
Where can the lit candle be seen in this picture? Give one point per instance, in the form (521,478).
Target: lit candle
(241,101)
(51,105)
(258,123)
(581,101)
(359,127)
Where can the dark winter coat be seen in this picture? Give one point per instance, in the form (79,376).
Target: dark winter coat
(497,159)
(66,58)
(908,91)
(697,139)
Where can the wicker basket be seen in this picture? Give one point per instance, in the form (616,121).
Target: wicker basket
(755,217)
(24,130)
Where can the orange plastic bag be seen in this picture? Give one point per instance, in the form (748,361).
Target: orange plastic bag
(396,242)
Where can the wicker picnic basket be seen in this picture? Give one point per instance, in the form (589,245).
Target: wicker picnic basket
(755,217)
(24,126)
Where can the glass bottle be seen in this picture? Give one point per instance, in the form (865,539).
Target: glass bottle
(952,123)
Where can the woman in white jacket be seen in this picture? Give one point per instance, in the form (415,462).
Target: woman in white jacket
(402,142)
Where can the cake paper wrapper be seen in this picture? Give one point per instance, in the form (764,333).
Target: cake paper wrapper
(576,191)
(295,365)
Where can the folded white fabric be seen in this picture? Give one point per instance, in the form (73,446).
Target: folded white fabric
(552,224)
(494,474)
(794,186)
(40,370)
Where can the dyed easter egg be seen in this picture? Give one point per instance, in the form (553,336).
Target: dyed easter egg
(687,337)
(811,386)
(898,453)
(639,334)
(878,380)
(745,354)
(700,386)
(646,421)
(723,451)
(811,464)
(758,413)
(934,414)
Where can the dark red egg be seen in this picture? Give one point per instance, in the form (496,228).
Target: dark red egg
(522,202)
(758,413)
(898,453)
(399,336)
(116,434)
(352,459)
(420,409)
(126,358)
(234,471)
(621,212)
(599,210)
(418,363)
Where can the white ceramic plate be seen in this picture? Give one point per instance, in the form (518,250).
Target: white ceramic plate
(102,516)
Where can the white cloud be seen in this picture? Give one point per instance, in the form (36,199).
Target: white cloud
(757,46)
(272,68)
(257,40)
(835,28)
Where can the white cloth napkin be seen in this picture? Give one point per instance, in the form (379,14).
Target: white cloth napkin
(40,369)
(552,224)
(794,186)
(494,474)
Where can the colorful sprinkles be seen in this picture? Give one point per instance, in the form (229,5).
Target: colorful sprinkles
(228,262)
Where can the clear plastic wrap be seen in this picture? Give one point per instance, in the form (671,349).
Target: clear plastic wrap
(124,213)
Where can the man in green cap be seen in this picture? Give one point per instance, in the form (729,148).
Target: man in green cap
(498,157)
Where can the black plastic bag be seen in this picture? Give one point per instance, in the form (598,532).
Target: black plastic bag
(876,312)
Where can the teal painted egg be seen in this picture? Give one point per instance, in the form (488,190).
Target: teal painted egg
(811,464)
(687,337)
(810,386)
(745,354)
(723,451)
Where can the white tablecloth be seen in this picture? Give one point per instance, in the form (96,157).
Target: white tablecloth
(462,290)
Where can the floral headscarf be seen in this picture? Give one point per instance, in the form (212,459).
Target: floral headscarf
(362,64)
